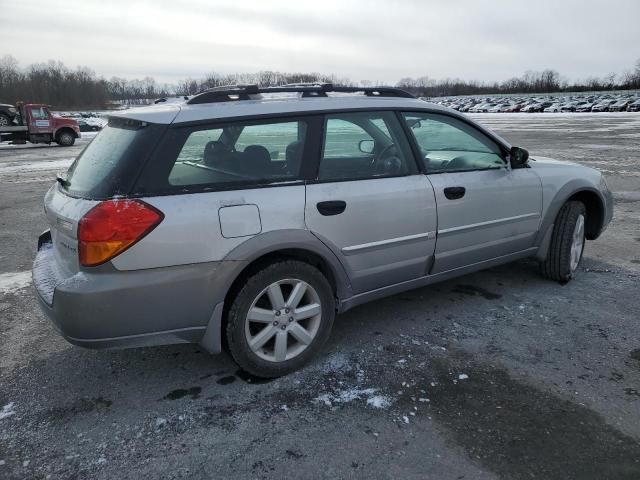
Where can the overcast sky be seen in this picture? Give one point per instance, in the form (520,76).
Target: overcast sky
(359,39)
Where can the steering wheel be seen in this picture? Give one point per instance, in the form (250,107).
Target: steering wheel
(386,165)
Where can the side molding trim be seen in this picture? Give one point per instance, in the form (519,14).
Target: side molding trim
(383,243)
(490,222)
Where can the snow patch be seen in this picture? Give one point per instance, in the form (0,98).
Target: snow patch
(346,396)
(13,281)
(337,362)
(378,401)
(28,167)
(7,411)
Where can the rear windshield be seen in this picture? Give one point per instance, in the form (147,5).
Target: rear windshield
(109,164)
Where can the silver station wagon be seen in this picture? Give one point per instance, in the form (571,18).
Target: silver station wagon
(244,218)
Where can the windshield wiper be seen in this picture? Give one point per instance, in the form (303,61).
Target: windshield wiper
(61,180)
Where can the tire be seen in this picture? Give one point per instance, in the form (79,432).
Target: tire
(567,243)
(66,139)
(5,121)
(265,357)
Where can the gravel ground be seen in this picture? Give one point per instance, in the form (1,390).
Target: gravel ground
(498,374)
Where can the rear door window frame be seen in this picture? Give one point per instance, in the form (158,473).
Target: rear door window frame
(412,164)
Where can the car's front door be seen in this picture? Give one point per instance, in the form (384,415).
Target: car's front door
(40,120)
(369,203)
(486,209)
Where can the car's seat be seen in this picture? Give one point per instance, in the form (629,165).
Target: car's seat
(256,161)
(216,153)
(293,157)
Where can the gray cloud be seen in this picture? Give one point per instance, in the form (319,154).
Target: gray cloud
(378,40)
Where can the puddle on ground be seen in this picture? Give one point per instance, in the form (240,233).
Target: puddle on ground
(249,378)
(473,290)
(521,432)
(193,392)
(226,380)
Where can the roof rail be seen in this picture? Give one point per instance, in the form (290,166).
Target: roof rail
(243,92)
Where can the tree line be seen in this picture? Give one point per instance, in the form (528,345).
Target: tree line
(55,84)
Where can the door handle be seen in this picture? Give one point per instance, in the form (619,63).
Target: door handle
(332,207)
(454,193)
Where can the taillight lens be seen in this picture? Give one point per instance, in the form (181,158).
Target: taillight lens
(111,227)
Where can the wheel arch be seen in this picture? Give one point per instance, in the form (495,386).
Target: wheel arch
(594,205)
(62,129)
(581,191)
(302,245)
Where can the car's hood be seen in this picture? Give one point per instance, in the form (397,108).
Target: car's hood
(549,168)
(546,162)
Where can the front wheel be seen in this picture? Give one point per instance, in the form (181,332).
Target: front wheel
(567,243)
(66,139)
(280,318)
(5,121)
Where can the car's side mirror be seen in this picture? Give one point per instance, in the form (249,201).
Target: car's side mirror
(366,146)
(518,157)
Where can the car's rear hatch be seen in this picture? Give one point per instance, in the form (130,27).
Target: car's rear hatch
(107,168)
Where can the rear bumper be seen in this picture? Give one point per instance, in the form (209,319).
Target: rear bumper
(107,308)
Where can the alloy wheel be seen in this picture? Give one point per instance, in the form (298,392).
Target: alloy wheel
(577,243)
(283,320)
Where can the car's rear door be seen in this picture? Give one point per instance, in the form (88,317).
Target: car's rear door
(485,209)
(368,201)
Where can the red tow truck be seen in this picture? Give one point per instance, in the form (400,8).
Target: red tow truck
(34,122)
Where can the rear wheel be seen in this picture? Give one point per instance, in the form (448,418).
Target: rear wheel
(567,243)
(280,318)
(66,139)
(5,121)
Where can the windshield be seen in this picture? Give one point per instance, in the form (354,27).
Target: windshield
(109,164)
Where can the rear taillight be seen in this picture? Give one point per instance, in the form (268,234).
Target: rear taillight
(111,227)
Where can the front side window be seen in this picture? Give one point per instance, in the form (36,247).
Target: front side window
(448,144)
(363,145)
(239,153)
(39,114)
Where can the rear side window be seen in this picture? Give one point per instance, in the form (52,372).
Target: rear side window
(238,153)
(108,165)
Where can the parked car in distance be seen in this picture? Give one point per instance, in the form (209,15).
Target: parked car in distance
(532,108)
(584,107)
(634,107)
(234,220)
(88,127)
(553,108)
(603,106)
(619,106)
(497,108)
